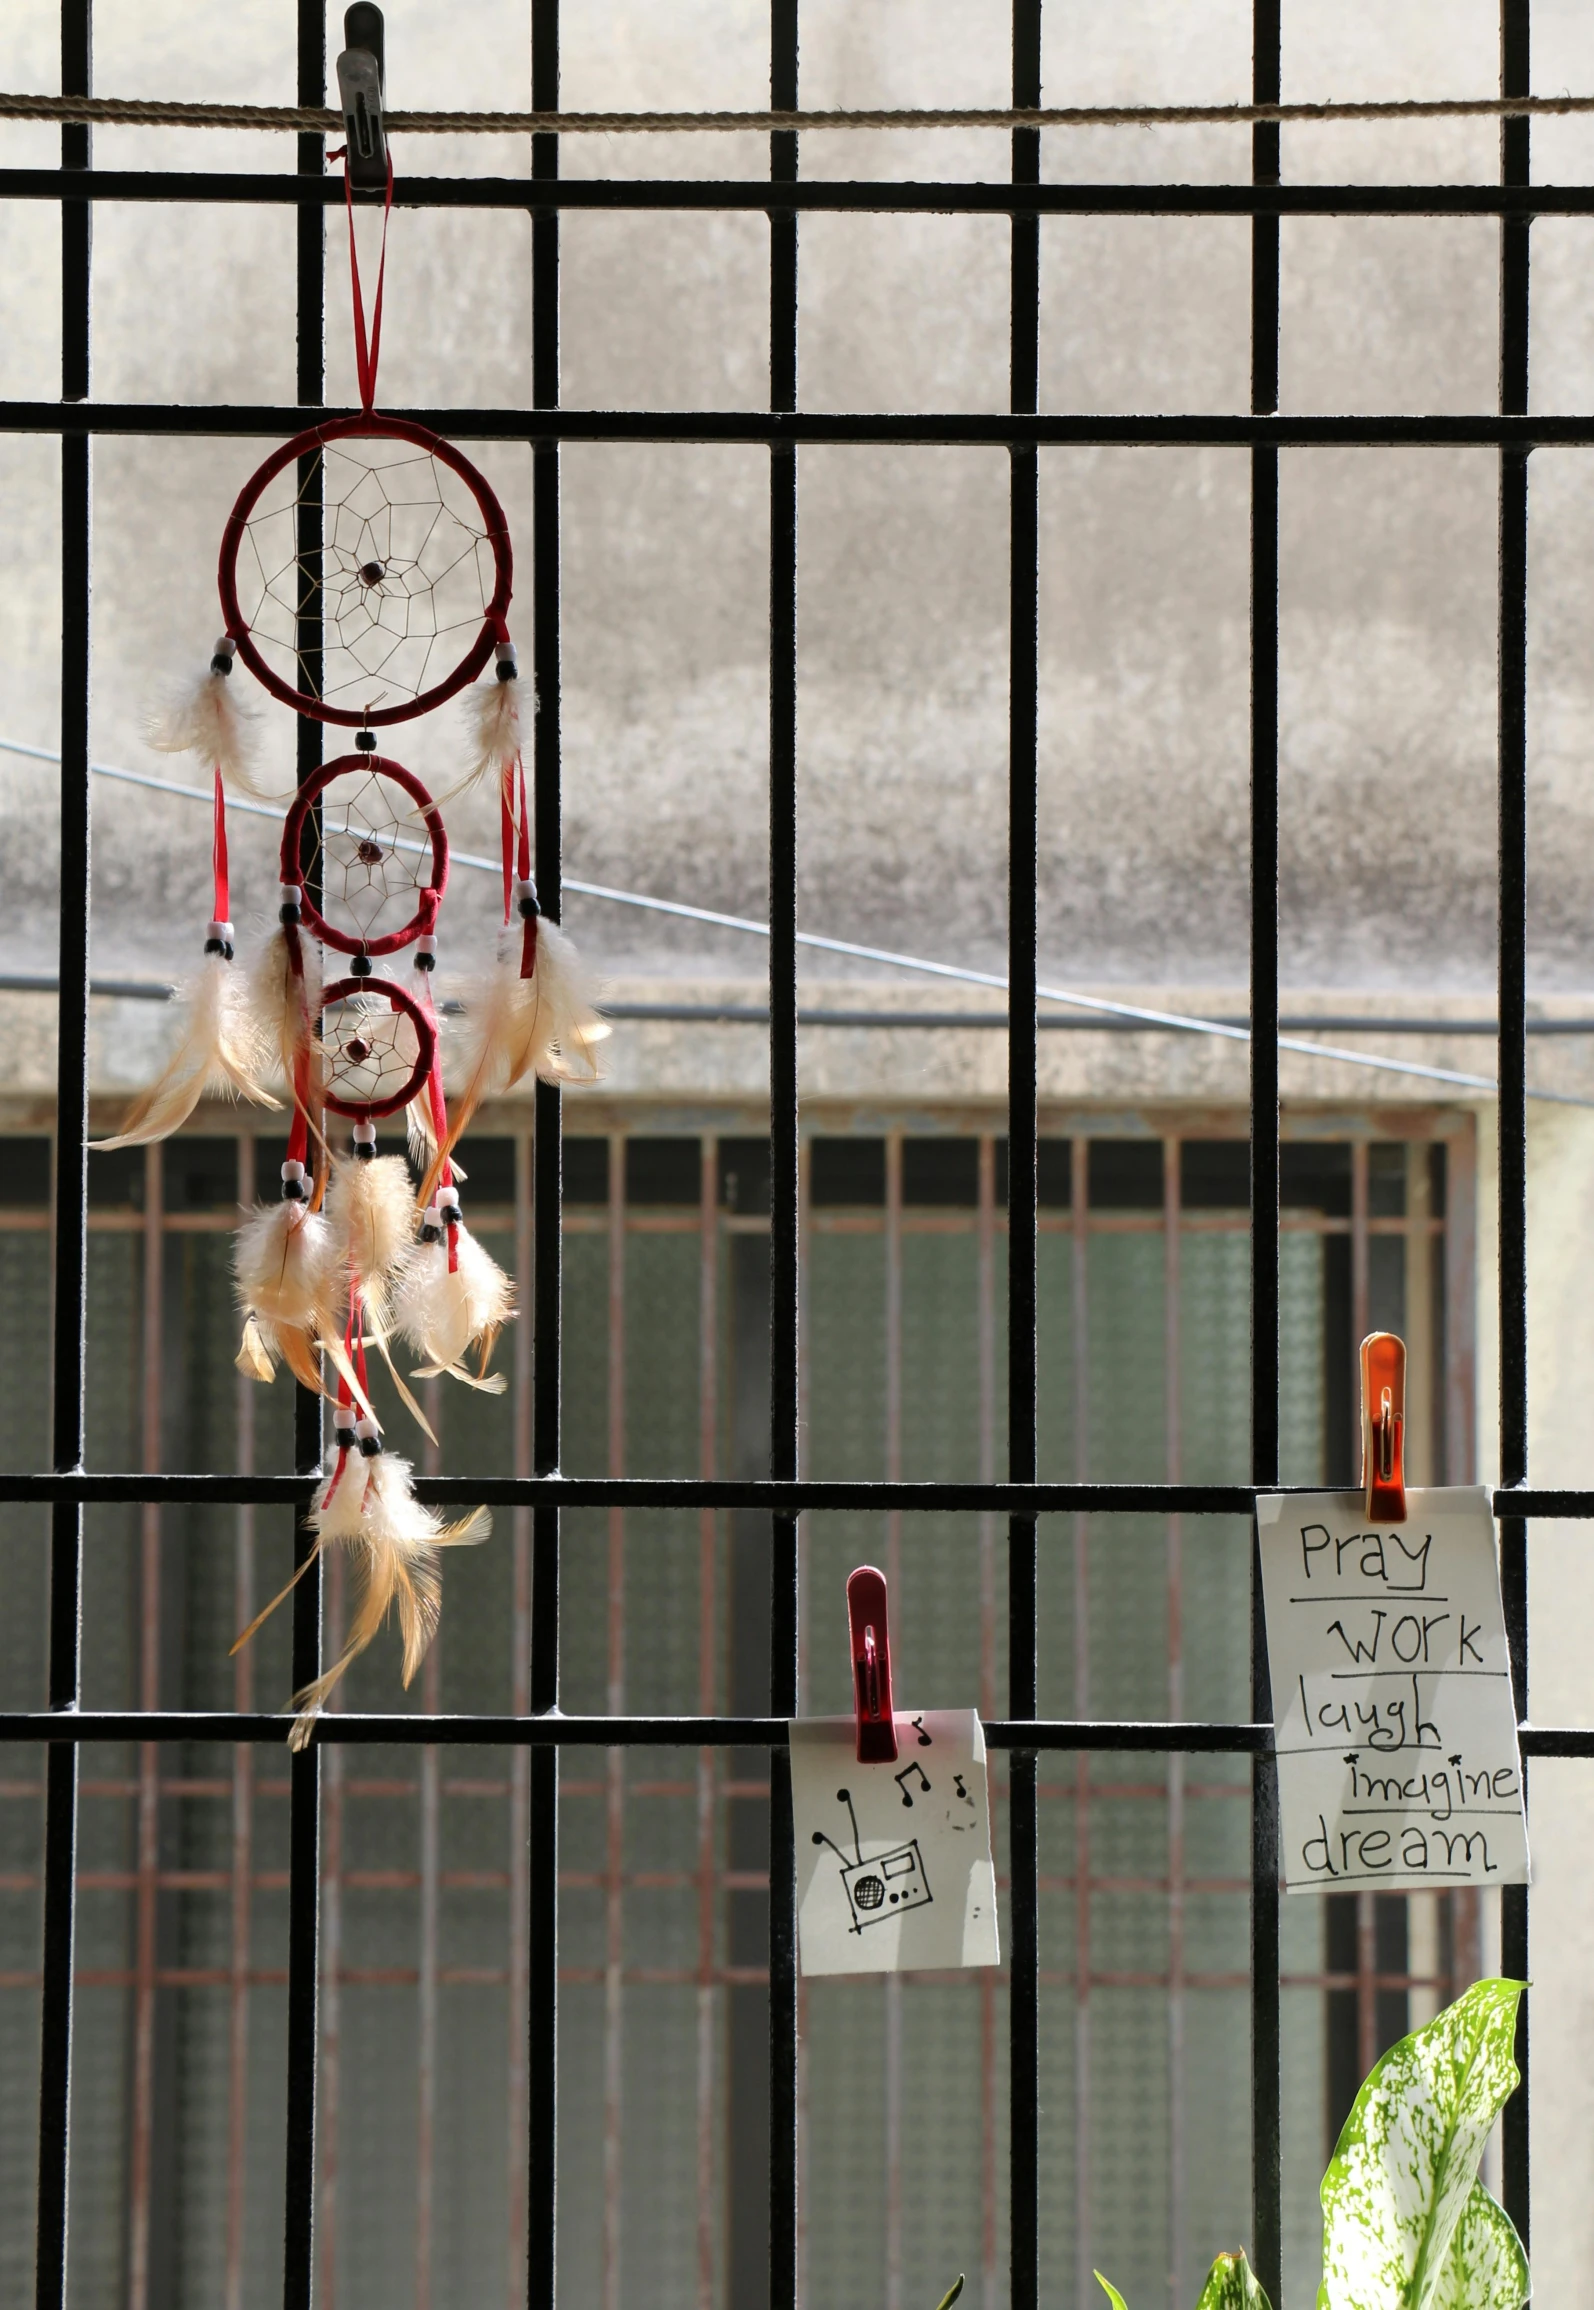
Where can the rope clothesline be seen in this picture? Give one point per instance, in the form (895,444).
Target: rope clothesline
(1177,1022)
(132,111)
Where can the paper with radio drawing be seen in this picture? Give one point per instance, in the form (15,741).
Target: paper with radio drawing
(893,1860)
(1397,1739)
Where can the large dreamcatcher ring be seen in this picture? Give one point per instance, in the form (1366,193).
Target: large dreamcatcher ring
(375,849)
(377,1048)
(407,587)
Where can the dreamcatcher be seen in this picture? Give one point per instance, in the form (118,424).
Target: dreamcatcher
(365,579)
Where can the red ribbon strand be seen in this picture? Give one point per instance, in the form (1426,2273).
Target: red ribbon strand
(367,349)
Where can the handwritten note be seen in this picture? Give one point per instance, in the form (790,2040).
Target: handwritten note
(893,1860)
(1397,1740)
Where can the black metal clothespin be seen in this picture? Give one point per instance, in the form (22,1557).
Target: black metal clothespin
(361,86)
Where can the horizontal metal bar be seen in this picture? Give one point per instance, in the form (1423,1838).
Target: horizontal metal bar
(1170,1735)
(96,1487)
(766,428)
(963,198)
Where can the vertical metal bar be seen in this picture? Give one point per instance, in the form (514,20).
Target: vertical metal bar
(1360,1293)
(1079,1296)
(989,2276)
(1023,812)
(146,1922)
(330,1965)
(892,1990)
(71,1196)
(1515,168)
(707,1701)
(1266,2146)
(304,1778)
(1172,1225)
(243,1823)
(428,2012)
(520,1759)
(614,1758)
(784,1238)
(542,1987)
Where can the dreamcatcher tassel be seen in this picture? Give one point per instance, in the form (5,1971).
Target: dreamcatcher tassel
(220,1051)
(452,1295)
(285,1261)
(370,1205)
(206,718)
(368,1506)
(495,716)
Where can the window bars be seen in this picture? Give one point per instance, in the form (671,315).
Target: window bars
(1024,432)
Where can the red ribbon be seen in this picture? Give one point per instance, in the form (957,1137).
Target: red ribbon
(367,351)
(218,854)
(506,831)
(528,936)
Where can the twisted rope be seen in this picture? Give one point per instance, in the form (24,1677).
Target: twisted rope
(148,112)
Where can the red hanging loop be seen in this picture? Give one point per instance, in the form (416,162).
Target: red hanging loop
(218,856)
(367,351)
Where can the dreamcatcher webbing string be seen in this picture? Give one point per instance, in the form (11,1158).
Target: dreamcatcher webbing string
(367,350)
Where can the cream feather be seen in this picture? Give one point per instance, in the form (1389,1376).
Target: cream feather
(288,1281)
(285,1006)
(497,717)
(394,1543)
(207,718)
(371,1207)
(442,1312)
(221,1050)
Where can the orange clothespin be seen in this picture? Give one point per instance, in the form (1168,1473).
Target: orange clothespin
(870,1639)
(1384,1427)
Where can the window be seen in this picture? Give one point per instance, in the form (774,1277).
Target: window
(535,1965)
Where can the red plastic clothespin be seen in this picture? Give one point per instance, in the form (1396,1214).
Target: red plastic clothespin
(871,1666)
(1384,1427)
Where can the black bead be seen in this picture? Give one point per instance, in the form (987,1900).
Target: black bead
(366,741)
(365,1149)
(506,670)
(370,1447)
(431,1235)
(426,962)
(345,1439)
(529,910)
(293,1191)
(288,915)
(451,1214)
(360,966)
(221,663)
(218,946)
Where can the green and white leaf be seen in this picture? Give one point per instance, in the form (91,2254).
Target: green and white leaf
(1111,2292)
(1232,2284)
(1406,2223)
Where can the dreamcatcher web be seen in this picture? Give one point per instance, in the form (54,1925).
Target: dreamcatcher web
(372,859)
(403,576)
(371,1050)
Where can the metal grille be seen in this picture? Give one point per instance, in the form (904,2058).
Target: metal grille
(1023,1502)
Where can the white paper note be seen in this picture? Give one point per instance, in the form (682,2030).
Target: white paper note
(1397,1740)
(893,1861)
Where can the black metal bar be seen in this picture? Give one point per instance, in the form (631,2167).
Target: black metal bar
(1267,2188)
(812,428)
(304,1786)
(223,187)
(70,1313)
(1179,1736)
(542,1982)
(1024,2085)
(783,1152)
(793,1499)
(1515,168)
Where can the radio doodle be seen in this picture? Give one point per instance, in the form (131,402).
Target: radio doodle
(885,1884)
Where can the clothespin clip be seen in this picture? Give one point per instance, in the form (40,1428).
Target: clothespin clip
(871,1666)
(362,72)
(1384,1427)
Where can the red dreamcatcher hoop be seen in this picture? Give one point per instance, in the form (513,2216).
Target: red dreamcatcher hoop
(367,856)
(374,1065)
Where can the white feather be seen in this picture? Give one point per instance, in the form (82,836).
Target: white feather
(371,1206)
(442,1312)
(286,1263)
(394,1541)
(221,1050)
(206,717)
(497,721)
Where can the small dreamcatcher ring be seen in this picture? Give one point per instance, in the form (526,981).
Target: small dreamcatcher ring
(298,825)
(355,1051)
(377,574)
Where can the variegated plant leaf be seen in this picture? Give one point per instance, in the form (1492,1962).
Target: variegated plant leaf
(1406,2169)
(1111,2292)
(1486,2263)
(1232,2284)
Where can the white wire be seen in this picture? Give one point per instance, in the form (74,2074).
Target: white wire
(1176,1022)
